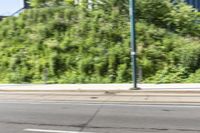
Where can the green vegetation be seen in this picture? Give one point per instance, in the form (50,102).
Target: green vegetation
(60,42)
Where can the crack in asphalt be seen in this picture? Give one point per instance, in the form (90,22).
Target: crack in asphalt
(84,126)
(92,118)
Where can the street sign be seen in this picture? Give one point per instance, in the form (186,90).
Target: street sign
(194,3)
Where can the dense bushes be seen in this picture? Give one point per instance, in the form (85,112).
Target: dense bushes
(67,43)
(177,16)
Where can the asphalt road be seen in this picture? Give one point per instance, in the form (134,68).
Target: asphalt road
(35,117)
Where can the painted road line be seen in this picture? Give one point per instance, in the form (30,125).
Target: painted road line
(51,131)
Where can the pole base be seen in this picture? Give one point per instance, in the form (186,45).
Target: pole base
(135,88)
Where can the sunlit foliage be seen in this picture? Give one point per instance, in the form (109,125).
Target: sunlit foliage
(58,41)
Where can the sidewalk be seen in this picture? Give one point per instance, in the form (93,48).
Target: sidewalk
(103,93)
(98,87)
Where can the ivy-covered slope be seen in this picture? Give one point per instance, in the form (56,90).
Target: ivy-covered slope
(74,44)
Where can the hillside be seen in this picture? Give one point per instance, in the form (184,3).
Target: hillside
(66,43)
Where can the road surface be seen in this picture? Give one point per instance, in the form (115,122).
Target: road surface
(66,117)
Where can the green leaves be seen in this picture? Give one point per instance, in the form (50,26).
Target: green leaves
(176,16)
(59,42)
(47,3)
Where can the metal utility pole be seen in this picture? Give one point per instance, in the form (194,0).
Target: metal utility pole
(133,43)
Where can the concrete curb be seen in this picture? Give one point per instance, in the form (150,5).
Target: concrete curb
(148,99)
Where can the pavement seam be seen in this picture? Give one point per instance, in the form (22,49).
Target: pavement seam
(91,118)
